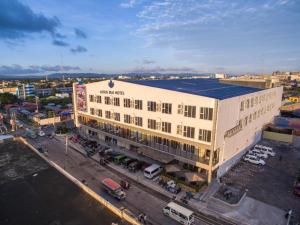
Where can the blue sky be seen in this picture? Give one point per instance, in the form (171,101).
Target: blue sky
(120,36)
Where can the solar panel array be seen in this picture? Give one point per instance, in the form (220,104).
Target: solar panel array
(203,87)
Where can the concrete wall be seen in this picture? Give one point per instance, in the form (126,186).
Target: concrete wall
(230,115)
(288,138)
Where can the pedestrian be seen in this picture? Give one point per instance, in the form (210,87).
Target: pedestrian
(145,219)
(280,158)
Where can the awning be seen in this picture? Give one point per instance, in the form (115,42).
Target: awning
(172,168)
(193,177)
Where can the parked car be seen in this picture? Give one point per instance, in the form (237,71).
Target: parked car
(254,160)
(258,153)
(135,166)
(267,150)
(127,161)
(41,133)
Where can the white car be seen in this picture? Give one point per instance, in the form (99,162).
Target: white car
(267,150)
(41,133)
(254,160)
(258,153)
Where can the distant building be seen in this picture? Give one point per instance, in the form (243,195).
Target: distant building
(62,95)
(218,76)
(258,82)
(12,90)
(26,90)
(49,91)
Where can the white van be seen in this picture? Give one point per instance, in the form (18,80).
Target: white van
(152,171)
(179,213)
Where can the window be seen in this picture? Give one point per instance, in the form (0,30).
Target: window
(127,118)
(152,106)
(204,135)
(252,102)
(116,101)
(152,124)
(107,114)
(117,116)
(98,99)
(138,104)
(190,111)
(127,102)
(166,127)
(206,113)
(139,121)
(189,148)
(92,98)
(92,111)
(189,132)
(99,112)
(247,103)
(107,100)
(167,108)
(250,118)
(180,109)
(256,100)
(242,106)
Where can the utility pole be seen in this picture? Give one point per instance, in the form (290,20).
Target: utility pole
(66,152)
(37,103)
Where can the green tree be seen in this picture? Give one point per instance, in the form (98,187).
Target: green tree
(8,98)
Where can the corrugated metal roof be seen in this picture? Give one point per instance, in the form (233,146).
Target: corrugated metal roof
(211,88)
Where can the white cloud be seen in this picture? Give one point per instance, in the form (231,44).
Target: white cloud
(129,3)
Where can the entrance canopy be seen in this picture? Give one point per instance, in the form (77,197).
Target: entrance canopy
(193,177)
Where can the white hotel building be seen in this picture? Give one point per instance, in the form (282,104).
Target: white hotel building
(201,123)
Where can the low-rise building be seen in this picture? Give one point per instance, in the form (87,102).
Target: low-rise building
(199,123)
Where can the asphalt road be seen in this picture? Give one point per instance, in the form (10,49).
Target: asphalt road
(139,199)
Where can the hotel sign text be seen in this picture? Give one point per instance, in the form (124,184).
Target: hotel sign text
(112,92)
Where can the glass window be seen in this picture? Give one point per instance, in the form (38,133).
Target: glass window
(189,132)
(166,127)
(117,116)
(204,135)
(107,114)
(116,101)
(127,118)
(138,104)
(92,111)
(92,98)
(107,100)
(152,106)
(127,102)
(98,99)
(152,124)
(190,111)
(99,112)
(139,121)
(242,106)
(206,113)
(167,108)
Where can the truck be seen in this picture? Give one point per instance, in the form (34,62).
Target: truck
(113,188)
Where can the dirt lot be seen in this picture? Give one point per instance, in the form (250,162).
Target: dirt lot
(32,192)
(272,183)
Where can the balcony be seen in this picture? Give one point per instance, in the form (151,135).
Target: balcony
(143,140)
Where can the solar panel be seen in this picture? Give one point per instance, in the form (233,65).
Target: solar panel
(203,87)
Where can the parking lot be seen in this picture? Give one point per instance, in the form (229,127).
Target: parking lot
(273,182)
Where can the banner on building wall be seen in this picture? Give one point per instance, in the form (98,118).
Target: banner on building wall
(81,97)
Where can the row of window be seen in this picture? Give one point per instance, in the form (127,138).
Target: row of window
(152,106)
(255,115)
(249,103)
(189,132)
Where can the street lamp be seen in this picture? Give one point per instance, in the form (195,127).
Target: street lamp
(66,151)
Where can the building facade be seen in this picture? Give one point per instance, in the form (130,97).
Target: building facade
(26,90)
(199,122)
